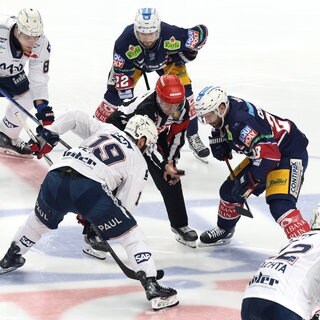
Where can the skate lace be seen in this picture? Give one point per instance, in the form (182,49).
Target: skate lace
(196,142)
(216,232)
(19,143)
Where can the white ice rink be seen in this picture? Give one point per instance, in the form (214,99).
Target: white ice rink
(266,51)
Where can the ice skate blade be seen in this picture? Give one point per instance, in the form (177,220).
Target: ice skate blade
(87,249)
(164,302)
(190,244)
(11,153)
(204,160)
(7,270)
(220,242)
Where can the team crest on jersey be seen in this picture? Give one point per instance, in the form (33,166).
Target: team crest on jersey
(142,257)
(118,61)
(133,52)
(247,134)
(172,44)
(193,39)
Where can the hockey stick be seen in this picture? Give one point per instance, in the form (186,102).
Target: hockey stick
(31,135)
(242,211)
(127,271)
(26,112)
(146,80)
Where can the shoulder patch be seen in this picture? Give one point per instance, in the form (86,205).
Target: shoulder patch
(247,134)
(133,52)
(193,39)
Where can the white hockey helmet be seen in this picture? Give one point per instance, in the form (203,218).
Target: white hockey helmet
(147,21)
(142,126)
(315,220)
(29,22)
(209,100)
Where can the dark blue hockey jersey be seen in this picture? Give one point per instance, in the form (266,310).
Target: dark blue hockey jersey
(175,44)
(261,136)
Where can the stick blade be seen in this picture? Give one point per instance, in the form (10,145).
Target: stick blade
(244,212)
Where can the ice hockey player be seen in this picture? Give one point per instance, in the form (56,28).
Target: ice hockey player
(23,41)
(286,286)
(276,158)
(168,108)
(149,45)
(103,179)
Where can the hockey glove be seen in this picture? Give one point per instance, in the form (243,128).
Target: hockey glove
(220,148)
(243,187)
(46,141)
(44,113)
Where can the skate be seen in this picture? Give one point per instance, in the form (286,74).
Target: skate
(199,150)
(14,147)
(94,248)
(186,236)
(159,296)
(12,260)
(216,236)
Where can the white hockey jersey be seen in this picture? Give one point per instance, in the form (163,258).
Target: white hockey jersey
(292,278)
(38,59)
(107,155)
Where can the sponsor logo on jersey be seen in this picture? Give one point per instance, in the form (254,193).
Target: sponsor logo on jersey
(172,44)
(263,279)
(8,123)
(142,257)
(247,134)
(118,61)
(296,174)
(78,156)
(133,52)
(11,67)
(20,78)
(109,224)
(26,242)
(193,39)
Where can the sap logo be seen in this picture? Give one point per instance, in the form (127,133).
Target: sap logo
(142,257)
(263,279)
(11,68)
(26,242)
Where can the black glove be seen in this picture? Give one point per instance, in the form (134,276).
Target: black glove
(243,187)
(220,147)
(46,141)
(44,113)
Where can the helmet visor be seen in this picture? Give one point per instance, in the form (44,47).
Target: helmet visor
(171,108)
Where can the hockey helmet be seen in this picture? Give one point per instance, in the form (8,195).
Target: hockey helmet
(315,220)
(147,21)
(171,94)
(209,100)
(29,22)
(142,126)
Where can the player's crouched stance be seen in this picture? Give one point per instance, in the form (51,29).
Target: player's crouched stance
(103,179)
